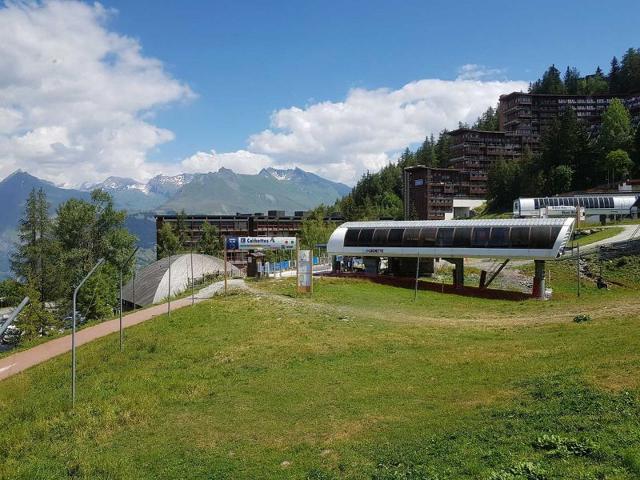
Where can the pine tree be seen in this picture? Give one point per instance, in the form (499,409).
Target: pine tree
(630,71)
(442,149)
(614,77)
(210,241)
(551,82)
(571,78)
(31,261)
(168,241)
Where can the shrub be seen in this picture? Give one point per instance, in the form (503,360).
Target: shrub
(561,446)
(521,471)
(582,318)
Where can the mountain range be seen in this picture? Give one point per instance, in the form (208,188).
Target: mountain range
(221,192)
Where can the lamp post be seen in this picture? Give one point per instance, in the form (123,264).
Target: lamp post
(122,267)
(73,333)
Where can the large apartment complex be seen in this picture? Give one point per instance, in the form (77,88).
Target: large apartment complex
(526,115)
(432,193)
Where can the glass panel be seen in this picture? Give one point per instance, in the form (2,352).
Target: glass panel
(609,202)
(395,237)
(445,237)
(539,237)
(428,237)
(480,237)
(411,237)
(366,234)
(351,237)
(499,237)
(462,237)
(380,237)
(536,203)
(591,202)
(520,237)
(555,231)
(600,202)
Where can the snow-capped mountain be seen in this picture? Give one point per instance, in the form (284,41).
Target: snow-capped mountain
(168,185)
(117,184)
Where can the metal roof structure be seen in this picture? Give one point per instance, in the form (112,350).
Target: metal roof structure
(528,238)
(152,281)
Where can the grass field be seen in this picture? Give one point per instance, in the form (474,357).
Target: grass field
(597,236)
(357,381)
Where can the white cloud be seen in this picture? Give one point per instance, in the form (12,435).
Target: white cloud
(77,104)
(473,71)
(75,97)
(240,161)
(341,140)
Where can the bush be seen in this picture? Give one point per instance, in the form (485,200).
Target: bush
(582,318)
(561,446)
(522,471)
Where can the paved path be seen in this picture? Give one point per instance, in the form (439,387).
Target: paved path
(28,358)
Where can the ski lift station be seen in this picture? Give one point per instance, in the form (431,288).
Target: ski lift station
(594,206)
(405,242)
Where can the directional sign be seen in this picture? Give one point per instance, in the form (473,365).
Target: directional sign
(261,243)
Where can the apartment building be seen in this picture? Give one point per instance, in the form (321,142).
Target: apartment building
(478,150)
(526,115)
(442,193)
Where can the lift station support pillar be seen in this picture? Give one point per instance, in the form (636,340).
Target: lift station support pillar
(538,280)
(458,271)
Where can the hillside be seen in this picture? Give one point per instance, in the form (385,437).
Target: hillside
(357,382)
(227,192)
(216,193)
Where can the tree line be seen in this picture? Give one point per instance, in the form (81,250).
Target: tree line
(176,239)
(53,254)
(623,78)
(570,159)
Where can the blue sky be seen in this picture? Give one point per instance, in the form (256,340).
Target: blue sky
(246,59)
(269,82)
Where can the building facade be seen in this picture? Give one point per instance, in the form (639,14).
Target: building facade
(527,115)
(478,150)
(275,223)
(442,193)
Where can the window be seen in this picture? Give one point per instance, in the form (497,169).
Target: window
(366,235)
(351,237)
(499,237)
(591,203)
(411,237)
(539,237)
(536,202)
(428,237)
(520,237)
(462,237)
(419,182)
(380,237)
(600,202)
(444,237)
(610,200)
(480,237)
(395,237)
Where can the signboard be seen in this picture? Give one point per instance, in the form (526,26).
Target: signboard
(305,271)
(261,243)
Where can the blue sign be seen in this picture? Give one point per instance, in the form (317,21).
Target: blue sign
(232,243)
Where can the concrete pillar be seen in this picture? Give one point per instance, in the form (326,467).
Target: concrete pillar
(538,280)
(458,271)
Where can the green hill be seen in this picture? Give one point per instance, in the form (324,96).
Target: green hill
(356,382)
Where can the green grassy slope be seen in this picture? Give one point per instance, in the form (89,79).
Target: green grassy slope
(355,382)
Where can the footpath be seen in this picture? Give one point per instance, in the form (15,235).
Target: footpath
(41,353)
